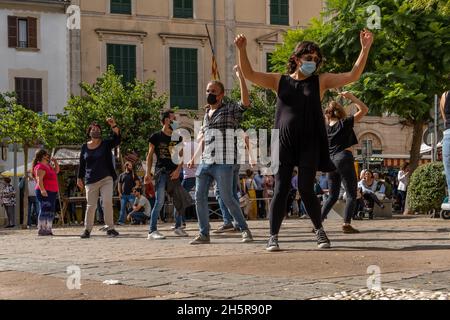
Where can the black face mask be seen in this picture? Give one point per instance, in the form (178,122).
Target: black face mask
(212,99)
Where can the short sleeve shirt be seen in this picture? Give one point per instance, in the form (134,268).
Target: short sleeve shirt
(142,201)
(164,149)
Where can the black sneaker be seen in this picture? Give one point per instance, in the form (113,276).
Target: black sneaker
(272,244)
(224,228)
(322,240)
(86,234)
(112,233)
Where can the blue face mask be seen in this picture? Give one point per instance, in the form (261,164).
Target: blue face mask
(174,125)
(307,68)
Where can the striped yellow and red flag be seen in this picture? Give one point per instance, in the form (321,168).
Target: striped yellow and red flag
(215,69)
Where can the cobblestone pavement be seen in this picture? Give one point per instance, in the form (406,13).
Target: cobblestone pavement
(410,252)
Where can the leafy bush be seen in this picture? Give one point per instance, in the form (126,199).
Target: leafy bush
(135,106)
(427,187)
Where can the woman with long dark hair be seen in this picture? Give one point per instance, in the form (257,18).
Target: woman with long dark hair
(299,118)
(45,170)
(97,174)
(341,138)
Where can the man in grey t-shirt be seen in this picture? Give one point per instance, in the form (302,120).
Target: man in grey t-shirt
(141,208)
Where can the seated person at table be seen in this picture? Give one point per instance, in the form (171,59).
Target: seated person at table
(141,208)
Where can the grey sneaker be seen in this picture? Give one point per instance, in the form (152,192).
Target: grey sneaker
(200,239)
(322,240)
(155,235)
(272,244)
(224,228)
(247,236)
(180,232)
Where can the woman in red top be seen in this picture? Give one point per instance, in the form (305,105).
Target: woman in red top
(46,190)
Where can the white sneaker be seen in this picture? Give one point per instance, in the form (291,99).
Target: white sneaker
(155,235)
(180,232)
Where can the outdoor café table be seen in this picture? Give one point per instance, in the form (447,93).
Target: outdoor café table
(77,200)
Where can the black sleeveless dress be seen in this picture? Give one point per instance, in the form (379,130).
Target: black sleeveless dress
(300,119)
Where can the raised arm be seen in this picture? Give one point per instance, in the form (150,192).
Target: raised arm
(116,138)
(362,107)
(245,99)
(442,105)
(337,80)
(55,165)
(262,79)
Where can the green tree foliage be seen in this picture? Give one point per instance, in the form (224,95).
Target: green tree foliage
(261,115)
(136,108)
(441,5)
(26,128)
(426,190)
(409,61)
(23,126)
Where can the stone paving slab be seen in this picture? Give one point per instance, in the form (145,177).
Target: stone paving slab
(411,253)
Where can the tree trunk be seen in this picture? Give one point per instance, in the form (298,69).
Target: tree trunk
(414,155)
(25,187)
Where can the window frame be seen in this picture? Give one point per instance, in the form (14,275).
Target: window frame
(172,11)
(111,6)
(171,74)
(123,45)
(38,103)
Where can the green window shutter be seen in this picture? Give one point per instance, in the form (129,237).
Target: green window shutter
(123,58)
(121,6)
(279,12)
(183,9)
(183,78)
(268,63)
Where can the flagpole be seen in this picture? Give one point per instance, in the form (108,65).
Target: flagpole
(212,49)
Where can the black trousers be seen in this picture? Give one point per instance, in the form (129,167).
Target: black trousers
(345,173)
(278,206)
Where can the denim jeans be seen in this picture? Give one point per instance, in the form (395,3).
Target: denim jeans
(446,156)
(123,206)
(160,195)
(227,218)
(33,205)
(138,216)
(224,175)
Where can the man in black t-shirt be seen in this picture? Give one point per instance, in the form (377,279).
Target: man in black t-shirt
(127,181)
(162,144)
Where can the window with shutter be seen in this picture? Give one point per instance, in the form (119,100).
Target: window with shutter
(123,58)
(29,93)
(183,9)
(12,32)
(279,12)
(183,78)
(121,6)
